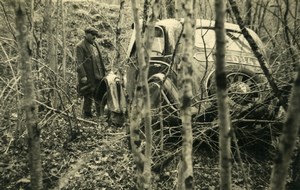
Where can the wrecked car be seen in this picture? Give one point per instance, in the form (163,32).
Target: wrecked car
(248,89)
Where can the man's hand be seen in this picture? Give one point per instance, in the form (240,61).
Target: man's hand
(83,80)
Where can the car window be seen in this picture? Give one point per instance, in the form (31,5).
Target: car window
(158,44)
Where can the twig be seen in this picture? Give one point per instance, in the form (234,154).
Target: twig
(8,59)
(11,140)
(240,161)
(65,114)
(7,22)
(240,120)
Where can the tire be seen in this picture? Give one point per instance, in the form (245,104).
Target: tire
(244,88)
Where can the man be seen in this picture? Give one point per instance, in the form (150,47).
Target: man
(90,69)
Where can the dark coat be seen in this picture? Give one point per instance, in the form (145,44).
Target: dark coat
(89,63)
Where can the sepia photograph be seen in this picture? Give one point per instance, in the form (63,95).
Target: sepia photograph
(149,94)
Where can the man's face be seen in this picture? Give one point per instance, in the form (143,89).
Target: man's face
(90,37)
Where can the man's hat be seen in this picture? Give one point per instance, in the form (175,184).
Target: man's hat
(92,30)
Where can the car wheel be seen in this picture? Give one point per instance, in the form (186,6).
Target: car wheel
(244,88)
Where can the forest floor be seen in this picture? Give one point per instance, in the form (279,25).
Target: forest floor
(98,157)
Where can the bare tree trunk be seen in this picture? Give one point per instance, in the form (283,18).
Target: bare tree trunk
(29,97)
(147,4)
(222,96)
(140,108)
(48,29)
(51,53)
(176,4)
(296,25)
(144,68)
(185,171)
(287,34)
(248,18)
(261,19)
(170,9)
(287,139)
(135,114)
(149,29)
(295,184)
(63,39)
(163,8)
(118,34)
(257,53)
(254,18)
(291,125)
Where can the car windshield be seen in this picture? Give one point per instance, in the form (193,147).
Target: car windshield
(158,44)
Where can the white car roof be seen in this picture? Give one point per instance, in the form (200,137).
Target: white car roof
(200,23)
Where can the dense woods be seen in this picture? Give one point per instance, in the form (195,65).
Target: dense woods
(47,144)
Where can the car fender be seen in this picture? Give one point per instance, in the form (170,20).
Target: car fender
(116,99)
(170,91)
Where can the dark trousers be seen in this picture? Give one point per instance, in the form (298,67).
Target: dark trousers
(88,102)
